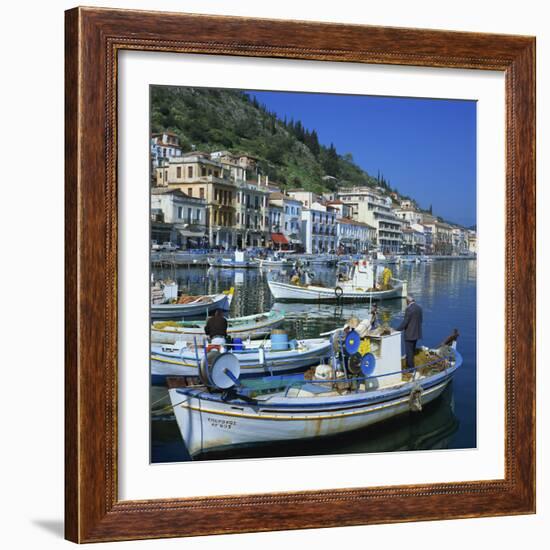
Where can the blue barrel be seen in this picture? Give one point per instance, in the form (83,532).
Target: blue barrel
(279,340)
(237,344)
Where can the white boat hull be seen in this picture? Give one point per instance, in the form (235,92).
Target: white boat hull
(238,328)
(165,362)
(208,425)
(287,291)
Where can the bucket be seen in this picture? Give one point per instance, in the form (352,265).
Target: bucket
(237,344)
(279,340)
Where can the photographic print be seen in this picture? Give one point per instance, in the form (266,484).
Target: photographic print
(313,274)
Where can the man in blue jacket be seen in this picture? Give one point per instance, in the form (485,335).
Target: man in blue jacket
(412,327)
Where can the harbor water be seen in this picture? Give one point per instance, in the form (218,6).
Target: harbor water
(446,291)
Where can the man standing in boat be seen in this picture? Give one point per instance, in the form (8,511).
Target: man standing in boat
(216,327)
(412,327)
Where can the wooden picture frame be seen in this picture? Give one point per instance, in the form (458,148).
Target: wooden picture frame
(94,37)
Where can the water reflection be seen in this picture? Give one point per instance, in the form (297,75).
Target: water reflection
(446,290)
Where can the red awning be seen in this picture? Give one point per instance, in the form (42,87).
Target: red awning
(279,238)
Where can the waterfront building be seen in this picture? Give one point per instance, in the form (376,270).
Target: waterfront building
(354,237)
(408,213)
(441,235)
(428,238)
(186,214)
(307,198)
(291,218)
(197,175)
(319,228)
(414,239)
(373,208)
(252,224)
(472,241)
(275,217)
(344,210)
(164,146)
(236,210)
(459,240)
(161,232)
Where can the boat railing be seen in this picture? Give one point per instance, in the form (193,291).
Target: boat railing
(364,379)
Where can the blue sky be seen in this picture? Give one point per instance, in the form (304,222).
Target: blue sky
(426,148)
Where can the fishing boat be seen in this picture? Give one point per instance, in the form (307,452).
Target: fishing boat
(168,304)
(256,357)
(253,326)
(318,260)
(274,261)
(240,260)
(223,411)
(358,284)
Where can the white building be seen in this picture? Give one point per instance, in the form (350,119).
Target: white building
(344,210)
(164,146)
(290,225)
(472,241)
(186,214)
(319,229)
(307,198)
(408,214)
(373,208)
(460,240)
(413,239)
(353,236)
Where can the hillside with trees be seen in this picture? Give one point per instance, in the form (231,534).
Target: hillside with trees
(209,119)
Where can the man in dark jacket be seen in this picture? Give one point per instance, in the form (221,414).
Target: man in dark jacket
(216,326)
(412,327)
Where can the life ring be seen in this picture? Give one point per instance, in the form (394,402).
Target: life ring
(338,291)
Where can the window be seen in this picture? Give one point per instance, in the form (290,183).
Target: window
(178,172)
(189,215)
(216,173)
(180,212)
(190,191)
(203,171)
(201,192)
(166,175)
(198,214)
(189,171)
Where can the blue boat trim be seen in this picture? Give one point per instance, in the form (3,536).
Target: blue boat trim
(372,397)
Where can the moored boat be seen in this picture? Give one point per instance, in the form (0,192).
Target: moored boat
(359,284)
(257,357)
(274,261)
(253,326)
(240,260)
(224,411)
(185,306)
